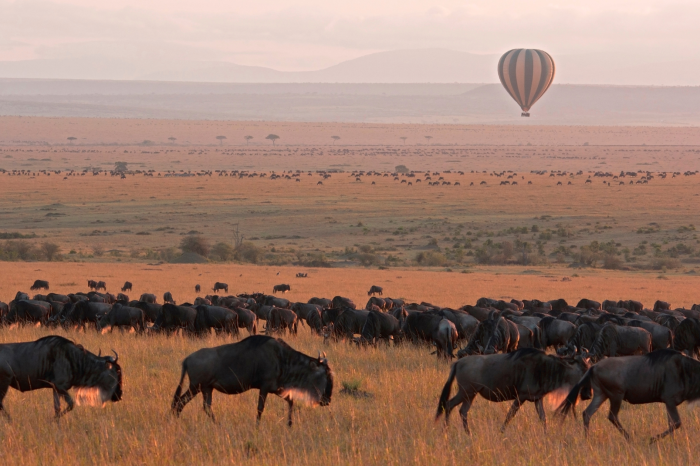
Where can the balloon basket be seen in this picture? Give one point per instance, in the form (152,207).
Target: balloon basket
(525,114)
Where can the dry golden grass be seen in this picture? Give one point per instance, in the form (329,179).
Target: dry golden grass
(394,427)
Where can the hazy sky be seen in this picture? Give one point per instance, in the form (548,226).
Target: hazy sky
(312,34)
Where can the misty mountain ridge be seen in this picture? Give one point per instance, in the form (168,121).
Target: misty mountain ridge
(398,66)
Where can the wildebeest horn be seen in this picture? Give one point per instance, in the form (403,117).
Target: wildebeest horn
(324,355)
(116,356)
(319,355)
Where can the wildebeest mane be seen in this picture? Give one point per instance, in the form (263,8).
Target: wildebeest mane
(661,356)
(522,352)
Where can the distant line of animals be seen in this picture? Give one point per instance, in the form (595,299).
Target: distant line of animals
(639,355)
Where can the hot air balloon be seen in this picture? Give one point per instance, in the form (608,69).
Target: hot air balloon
(526,74)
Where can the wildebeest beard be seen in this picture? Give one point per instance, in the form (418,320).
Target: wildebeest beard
(299,387)
(91,396)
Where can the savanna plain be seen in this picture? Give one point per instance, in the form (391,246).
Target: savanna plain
(448,244)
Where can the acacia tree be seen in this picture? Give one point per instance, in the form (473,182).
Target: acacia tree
(247,139)
(403,138)
(71,139)
(172,140)
(272,137)
(50,250)
(335,138)
(428,138)
(221,139)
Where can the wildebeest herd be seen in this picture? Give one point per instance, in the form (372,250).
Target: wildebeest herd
(508,351)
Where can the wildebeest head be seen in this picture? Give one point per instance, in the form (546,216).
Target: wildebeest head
(103,383)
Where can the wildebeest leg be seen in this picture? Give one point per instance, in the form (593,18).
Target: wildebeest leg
(57,393)
(207,396)
(511,413)
(598,400)
(464,411)
(539,406)
(291,406)
(4,386)
(179,402)
(674,422)
(261,403)
(615,404)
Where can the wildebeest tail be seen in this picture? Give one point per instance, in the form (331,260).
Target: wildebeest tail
(445,395)
(570,402)
(178,390)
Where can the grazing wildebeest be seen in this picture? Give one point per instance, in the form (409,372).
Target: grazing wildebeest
(281,288)
(313,320)
(281,320)
(220,319)
(246,319)
(220,286)
(663,376)
(168,297)
(340,302)
(40,285)
(445,339)
(375,290)
(92,284)
(421,327)
(277,302)
(172,318)
(661,306)
(302,309)
(492,335)
(101,286)
(614,340)
(29,311)
(197,288)
(258,362)
(151,311)
(127,287)
(661,337)
(687,337)
(524,375)
(123,316)
(83,313)
(325,303)
(57,363)
(583,339)
(589,304)
(380,325)
(122,297)
(347,324)
(148,298)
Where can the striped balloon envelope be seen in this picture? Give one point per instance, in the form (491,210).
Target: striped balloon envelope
(526,74)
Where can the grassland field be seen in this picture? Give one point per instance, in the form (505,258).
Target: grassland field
(125,218)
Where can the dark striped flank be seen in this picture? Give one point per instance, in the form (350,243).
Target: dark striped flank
(526,74)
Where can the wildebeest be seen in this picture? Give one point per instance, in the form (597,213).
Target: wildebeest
(83,313)
(302,309)
(151,311)
(40,285)
(325,303)
(29,311)
(614,340)
(57,363)
(281,320)
(687,337)
(197,288)
(524,375)
(445,339)
(588,304)
(491,336)
(348,323)
(258,362)
(92,284)
(168,297)
(174,317)
(281,288)
(222,320)
(555,332)
(122,297)
(663,376)
(127,287)
(313,320)
(340,302)
(277,302)
(661,337)
(380,326)
(101,286)
(220,286)
(148,298)
(246,319)
(375,290)
(123,316)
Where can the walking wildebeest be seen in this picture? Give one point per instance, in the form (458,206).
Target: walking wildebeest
(28,311)
(221,319)
(92,284)
(258,362)
(375,290)
(220,286)
(687,337)
(127,287)
(524,375)
(40,285)
(101,286)
(281,320)
(614,340)
(661,337)
(168,297)
(123,316)
(555,332)
(197,288)
(348,323)
(380,325)
(491,336)
(662,376)
(281,288)
(445,339)
(57,363)
(174,317)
